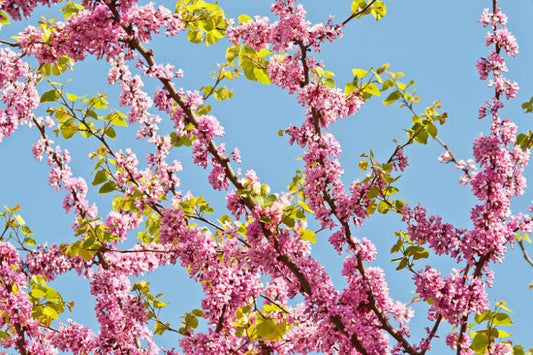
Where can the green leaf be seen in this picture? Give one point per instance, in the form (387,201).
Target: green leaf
(387,84)
(390,190)
(100,177)
(195,36)
(502,319)
(383,207)
(306,207)
(37,293)
(288,221)
(307,235)
(402,264)
(198,312)
(160,328)
(422,254)
(502,304)
(349,88)
(191,322)
(479,342)
(50,312)
(183,140)
(518,350)
(329,83)
(372,89)
(421,136)
(30,241)
(72,97)
(26,230)
(373,192)
(379,10)
(67,131)
(261,76)
(110,132)
(20,220)
(502,334)
(357,4)
(232,53)
(432,129)
(244,18)
(270,330)
(393,96)
(396,75)
(107,187)
(357,72)
(71,9)
(50,96)
(117,119)
(4,18)
(528,106)
(397,246)
(399,204)
(480,318)
(269,200)
(99,102)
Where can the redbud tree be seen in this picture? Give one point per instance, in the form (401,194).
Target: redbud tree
(264,290)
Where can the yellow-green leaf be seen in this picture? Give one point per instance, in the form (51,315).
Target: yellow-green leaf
(307,235)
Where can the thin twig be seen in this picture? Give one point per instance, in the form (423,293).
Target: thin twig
(525,253)
(12,44)
(352,16)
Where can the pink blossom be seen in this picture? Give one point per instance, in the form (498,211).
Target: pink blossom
(254,33)
(17,92)
(15,304)
(122,316)
(18,8)
(505,39)
(51,262)
(286,72)
(74,337)
(452,298)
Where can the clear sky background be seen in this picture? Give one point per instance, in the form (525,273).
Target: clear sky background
(435,43)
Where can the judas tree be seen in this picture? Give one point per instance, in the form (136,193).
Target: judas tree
(264,289)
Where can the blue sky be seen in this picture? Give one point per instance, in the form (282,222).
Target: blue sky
(434,43)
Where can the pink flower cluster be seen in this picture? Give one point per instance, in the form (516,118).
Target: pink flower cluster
(452,297)
(60,175)
(17,92)
(152,185)
(120,222)
(132,95)
(227,282)
(502,162)
(331,104)
(89,32)
(141,258)
(145,21)
(286,71)
(292,27)
(74,337)
(51,262)
(18,8)
(96,32)
(443,238)
(258,256)
(15,305)
(122,316)
(207,129)
(500,177)
(360,293)
(500,38)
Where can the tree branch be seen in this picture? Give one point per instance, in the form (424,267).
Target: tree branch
(352,16)
(525,253)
